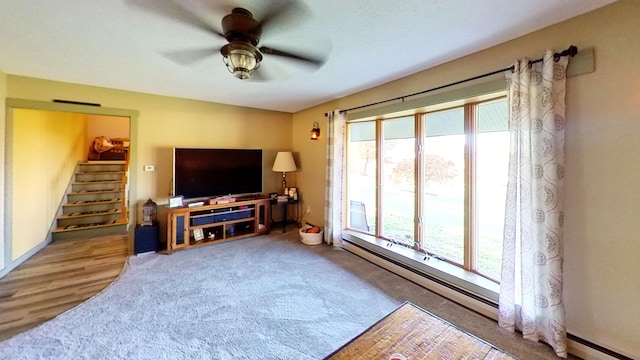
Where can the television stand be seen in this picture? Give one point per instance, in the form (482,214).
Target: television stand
(197,226)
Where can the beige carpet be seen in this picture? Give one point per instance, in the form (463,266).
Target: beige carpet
(265,297)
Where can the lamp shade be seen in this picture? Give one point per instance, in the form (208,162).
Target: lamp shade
(284,162)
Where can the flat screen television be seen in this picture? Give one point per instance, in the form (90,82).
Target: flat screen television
(203,173)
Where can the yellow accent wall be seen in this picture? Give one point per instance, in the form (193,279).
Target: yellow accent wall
(3,95)
(46,146)
(602,230)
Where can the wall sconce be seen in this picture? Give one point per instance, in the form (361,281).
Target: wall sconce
(315,132)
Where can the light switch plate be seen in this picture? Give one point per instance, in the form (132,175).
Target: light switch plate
(149,168)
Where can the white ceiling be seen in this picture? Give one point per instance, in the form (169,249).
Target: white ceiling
(121,44)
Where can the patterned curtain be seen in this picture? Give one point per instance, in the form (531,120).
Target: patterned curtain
(334,184)
(531,283)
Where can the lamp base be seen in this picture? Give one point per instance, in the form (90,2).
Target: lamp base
(284,183)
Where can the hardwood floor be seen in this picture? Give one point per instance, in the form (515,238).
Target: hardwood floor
(57,278)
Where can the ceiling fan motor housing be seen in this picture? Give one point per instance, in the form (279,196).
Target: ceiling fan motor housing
(242,55)
(241,26)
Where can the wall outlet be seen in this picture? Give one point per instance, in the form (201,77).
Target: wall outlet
(149,168)
(307,210)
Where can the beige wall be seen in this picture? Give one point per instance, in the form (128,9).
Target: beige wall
(109,126)
(3,95)
(164,123)
(602,246)
(46,146)
(603,133)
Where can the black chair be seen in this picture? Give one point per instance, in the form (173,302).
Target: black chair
(358,216)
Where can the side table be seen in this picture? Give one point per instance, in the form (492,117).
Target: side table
(284,205)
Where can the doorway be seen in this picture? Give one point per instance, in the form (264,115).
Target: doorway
(44,196)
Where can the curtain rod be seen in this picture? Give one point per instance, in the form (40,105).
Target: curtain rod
(570,51)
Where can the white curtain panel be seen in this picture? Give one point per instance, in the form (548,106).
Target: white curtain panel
(334,185)
(531,283)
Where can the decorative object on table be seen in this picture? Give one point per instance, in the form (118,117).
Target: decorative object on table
(176,202)
(149,213)
(315,132)
(105,148)
(273,196)
(284,163)
(222,200)
(311,235)
(282,198)
(198,234)
(293,193)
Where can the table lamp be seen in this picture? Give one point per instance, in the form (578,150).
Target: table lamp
(284,163)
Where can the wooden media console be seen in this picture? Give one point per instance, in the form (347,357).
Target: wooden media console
(189,227)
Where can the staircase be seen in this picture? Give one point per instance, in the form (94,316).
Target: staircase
(96,202)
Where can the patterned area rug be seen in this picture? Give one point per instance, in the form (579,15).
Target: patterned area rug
(416,334)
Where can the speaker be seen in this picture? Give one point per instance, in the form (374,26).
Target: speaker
(146,239)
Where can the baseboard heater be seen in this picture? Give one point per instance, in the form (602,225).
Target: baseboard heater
(586,343)
(428,276)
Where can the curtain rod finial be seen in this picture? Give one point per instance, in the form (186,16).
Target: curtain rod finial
(573,50)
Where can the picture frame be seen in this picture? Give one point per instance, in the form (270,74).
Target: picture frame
(176,202)
(198,234)
(292,192)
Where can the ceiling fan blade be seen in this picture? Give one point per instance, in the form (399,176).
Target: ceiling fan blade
(259,76)
(191,56)
(175,11)
(317,61)
(289,10)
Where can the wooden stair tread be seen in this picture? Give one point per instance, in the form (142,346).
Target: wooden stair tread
(94,206)
(81,192)
(91,226)
(92,202)
(93,182)
(76,215)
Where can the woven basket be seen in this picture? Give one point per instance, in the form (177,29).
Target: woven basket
(311,238)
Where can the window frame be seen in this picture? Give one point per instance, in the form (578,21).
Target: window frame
(471,131)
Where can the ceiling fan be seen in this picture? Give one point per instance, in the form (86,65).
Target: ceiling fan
(243,52)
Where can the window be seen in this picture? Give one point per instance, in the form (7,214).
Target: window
(362,175)
(397,200)
(456,160)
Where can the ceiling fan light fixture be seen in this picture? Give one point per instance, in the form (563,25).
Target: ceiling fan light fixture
(241,58)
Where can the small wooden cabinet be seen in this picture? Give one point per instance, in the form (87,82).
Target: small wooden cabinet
(202,225)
